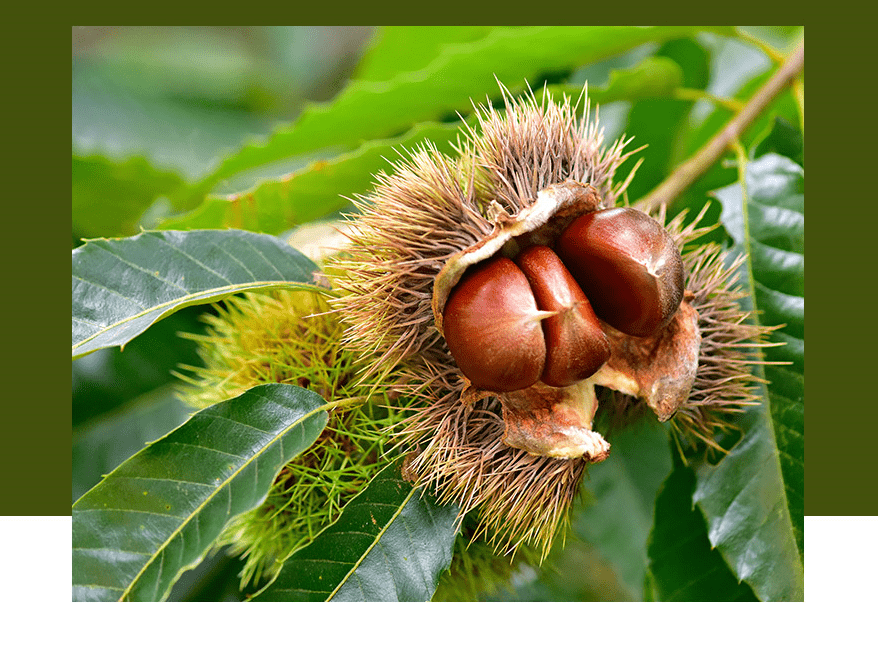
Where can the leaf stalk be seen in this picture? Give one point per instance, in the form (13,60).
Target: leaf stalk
(690,170)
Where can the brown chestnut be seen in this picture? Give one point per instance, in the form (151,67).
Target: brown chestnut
(627,265)
(576,347)
(492,327)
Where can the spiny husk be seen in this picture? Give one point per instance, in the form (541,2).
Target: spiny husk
(730,344)
(533,145)
(291,337)
(429,209)
(433,207)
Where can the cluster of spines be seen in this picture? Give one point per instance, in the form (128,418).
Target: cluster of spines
(731,343)
(433,207)
(293,338)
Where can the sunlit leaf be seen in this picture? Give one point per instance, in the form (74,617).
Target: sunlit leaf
(397,49)
(109,197)
(158,513)
(652,77)
(320,188)
(459,73)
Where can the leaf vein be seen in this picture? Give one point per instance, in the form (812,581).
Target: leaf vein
(152,275)
(259,251)
(196,512)
(196,261)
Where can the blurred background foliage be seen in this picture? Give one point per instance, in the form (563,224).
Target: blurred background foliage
(263,127)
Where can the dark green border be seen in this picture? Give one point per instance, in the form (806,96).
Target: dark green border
(842,425)
(36,430)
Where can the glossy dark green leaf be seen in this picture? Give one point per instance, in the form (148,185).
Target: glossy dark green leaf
(320,188)
(624,489)
(159,512)
(458,74)
(101,444)
(683,567)
(391,543)
(123,286)
(753,500)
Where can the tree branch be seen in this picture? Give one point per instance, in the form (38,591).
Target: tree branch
(690,170)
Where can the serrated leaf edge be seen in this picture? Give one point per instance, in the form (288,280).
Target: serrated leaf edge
(187,519)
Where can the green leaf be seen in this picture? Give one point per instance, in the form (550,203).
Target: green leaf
(624,490)
(683,567)
(658,122)
(459,73)
(397,49)
(116,114)
(782,138)
(391,543)
(109,197)
(108,378)
(100,445)
(123,286)
(655,76)
(753,499)
(315,191)
(158,513)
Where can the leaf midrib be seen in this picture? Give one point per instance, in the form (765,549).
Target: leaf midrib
(232,287)
(372,546)
(768,420)
(127,590)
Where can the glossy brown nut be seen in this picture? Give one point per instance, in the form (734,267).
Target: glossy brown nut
(576,347)
(627,265)
(492,327)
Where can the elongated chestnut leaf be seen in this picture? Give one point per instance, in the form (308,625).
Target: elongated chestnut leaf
(123,286)
(683,566)
(653,77)
(407,48)
(391,543)
(753,499)
(458,73)
(275,205)
(158,513)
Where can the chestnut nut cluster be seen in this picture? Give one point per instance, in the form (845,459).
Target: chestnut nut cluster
(538,317)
